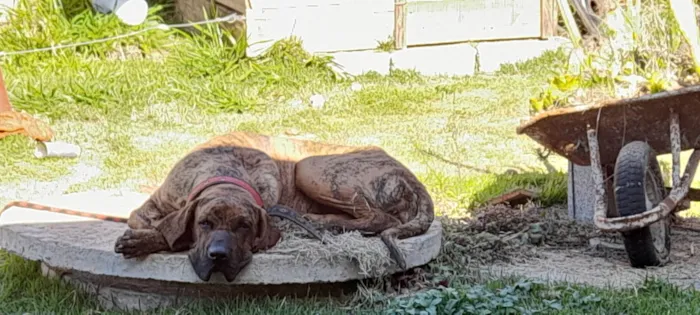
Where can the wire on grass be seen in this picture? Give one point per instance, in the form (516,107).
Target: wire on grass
(164,27)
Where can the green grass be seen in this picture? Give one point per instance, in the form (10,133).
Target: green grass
(136,106)
(24,290)
(517,296)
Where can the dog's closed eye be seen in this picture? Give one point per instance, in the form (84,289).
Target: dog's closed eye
(205,224)
(243,224)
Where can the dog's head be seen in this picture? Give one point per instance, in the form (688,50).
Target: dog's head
(222,229)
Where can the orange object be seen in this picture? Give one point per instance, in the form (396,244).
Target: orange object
(12,122)
(4,99)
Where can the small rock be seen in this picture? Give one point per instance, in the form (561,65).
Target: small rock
(296,104)
(292,132)
(632,79)
(524,239)
(577,57)
(510,171)
(488,237)
(626,92)
(356,87)
(317,101)
(536,239)
(536,234)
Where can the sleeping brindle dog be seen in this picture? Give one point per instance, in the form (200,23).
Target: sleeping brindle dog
(218,200)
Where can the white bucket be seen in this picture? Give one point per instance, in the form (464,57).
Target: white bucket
(131,12)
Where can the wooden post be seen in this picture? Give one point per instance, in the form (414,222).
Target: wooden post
(549,18)
(399,24)
(570,22)
(4,99)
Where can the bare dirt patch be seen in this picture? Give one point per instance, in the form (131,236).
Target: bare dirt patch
(543,243)
(493,236)
(504,234)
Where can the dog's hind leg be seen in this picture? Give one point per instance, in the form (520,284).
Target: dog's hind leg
(376,191)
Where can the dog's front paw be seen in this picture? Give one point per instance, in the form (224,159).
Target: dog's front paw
(137,243)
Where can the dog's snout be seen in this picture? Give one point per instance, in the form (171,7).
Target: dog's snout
(217,253)
(219,247)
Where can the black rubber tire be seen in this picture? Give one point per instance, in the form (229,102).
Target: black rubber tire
(639,187)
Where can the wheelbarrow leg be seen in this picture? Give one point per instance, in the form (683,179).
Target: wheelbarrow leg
(675,133)
(600,204)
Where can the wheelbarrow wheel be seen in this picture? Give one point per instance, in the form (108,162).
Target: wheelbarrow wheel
(639,187)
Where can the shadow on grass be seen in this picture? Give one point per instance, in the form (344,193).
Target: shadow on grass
(476,190)
(551,187)
(443,159)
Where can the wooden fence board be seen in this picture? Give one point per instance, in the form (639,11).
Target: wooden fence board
(347,25)
(447,21)
(323,26)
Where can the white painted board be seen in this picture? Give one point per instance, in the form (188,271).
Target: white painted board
(447,21)
(322,25)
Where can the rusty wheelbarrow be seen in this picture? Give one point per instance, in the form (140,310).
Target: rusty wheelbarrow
(620,141)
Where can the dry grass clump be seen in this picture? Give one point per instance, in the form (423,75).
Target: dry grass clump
(369,253)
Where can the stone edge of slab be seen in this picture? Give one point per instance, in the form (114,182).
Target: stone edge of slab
(17,239)
(112,294)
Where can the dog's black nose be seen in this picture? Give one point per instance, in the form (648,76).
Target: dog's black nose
(219,246)
(217,252)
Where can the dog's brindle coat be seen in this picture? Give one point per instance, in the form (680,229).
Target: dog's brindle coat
(351,188)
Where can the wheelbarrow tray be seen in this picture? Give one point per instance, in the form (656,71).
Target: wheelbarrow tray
(618,122)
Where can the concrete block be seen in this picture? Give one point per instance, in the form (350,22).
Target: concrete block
(437,60)
(494,54)
(359,62)
(581,198)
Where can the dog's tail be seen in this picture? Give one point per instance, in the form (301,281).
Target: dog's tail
(418,225)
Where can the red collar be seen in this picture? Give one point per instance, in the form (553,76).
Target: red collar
(225,179)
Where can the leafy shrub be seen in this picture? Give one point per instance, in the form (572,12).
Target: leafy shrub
(642,52)
(523,297)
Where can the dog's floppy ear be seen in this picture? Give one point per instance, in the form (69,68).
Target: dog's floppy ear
(267,234)
(176,227)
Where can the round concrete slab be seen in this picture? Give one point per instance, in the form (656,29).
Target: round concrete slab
(86,245)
